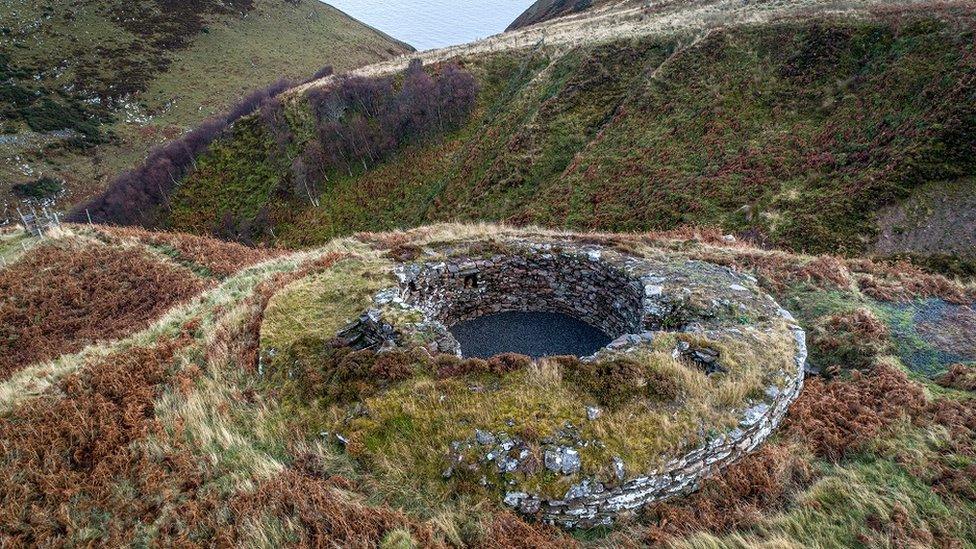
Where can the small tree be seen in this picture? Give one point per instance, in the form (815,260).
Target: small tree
(273,116)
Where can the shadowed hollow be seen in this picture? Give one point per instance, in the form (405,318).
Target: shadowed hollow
(535,334)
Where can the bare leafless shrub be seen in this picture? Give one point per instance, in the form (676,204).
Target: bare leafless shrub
(134,196)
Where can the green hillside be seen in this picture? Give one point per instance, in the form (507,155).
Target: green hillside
(794,133)
(736,183)
(87,87)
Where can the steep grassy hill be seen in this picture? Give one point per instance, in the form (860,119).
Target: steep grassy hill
(788,126)
(87,87)
(180,427)
(544,10)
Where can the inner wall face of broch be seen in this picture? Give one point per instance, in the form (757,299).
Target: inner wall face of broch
(582,287)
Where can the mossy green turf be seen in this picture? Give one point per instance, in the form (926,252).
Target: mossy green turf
(794,130)
(173,71)
(310,311)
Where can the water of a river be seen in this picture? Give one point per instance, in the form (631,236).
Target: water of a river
(427,24)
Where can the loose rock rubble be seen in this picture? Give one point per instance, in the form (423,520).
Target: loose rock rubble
(703,357)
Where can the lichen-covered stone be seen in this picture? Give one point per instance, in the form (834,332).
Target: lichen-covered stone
(484,437)
(593,413)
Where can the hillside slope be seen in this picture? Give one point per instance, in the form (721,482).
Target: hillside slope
(545,10)
(180,426)
(87,88)
(694,113)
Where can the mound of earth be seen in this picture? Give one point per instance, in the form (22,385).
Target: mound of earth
(701,371)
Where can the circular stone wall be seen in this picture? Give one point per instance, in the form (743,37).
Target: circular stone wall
(580,285)
(705,312)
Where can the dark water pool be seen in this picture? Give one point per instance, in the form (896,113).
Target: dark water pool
(532,334)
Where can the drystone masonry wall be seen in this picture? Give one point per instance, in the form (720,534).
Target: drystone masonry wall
(635,300)
(589,503)
(576,284)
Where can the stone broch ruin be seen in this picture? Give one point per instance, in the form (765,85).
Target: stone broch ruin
(632,299)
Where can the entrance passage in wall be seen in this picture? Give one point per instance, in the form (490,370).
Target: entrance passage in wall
(535,334)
